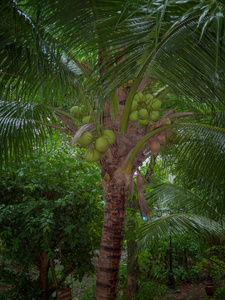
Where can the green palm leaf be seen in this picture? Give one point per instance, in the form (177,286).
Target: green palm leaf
(189,64)
(23,128)
(178,223)
(199,151)
(166,195)
(30,58)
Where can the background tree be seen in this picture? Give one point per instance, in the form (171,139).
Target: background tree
(125,42)
(50,222)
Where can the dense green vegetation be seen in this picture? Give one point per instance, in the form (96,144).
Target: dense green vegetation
(50,223)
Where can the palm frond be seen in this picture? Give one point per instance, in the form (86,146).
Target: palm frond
(179,223)
(206,11)
(189,61)
(189,64)
(23,128)
(166,195)
(31,59)
(198,150)
(218,119)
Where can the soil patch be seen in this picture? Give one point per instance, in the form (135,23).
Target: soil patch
(188,291)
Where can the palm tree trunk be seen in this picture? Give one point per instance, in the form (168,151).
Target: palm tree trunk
(132,272)
(111,242)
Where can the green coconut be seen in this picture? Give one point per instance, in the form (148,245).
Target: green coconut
(149,97)
(154,115)
(102,144)
(82,110)
(92,155)
(143,100)
(156,104)
(110,136)
(149,103)
(86,139)
(86,119)
(144,122)
(134,105)
(143,114)
(75,111)
(134,116)
(138,96)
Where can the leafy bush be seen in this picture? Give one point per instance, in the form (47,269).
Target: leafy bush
(154,259)
(220,293)
(24,287)
(148,290)
(212,265)
(90,294)
(51,212)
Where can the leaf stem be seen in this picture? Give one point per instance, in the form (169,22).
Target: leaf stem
(141,143)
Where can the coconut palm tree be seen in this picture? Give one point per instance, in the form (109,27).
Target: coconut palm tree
(99,54)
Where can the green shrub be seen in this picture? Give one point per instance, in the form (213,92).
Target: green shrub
(220,293)
(51,210)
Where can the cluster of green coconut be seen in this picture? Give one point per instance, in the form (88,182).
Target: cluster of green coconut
(145,108)
(80,113)
(96,146)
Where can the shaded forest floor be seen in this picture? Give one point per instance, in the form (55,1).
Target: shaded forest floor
(84,290)
(189,291)
(186,291)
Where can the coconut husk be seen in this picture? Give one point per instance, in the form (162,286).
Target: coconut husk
(125,143)
(155,147)
(122,94)
(161,138)
(122,177)
(140,188)
(163,119)
(182,115)
(131,190)
(67,121)
(143,84)
(150,169)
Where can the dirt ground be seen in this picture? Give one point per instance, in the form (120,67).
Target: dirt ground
(188,291)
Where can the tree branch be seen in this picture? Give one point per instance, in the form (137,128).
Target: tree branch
(53,273)
(53,289)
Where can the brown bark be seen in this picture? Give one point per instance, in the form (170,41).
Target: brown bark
(150,169)
(53,272)
(69,271)
(43,265)
(111,242)
(132,271)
